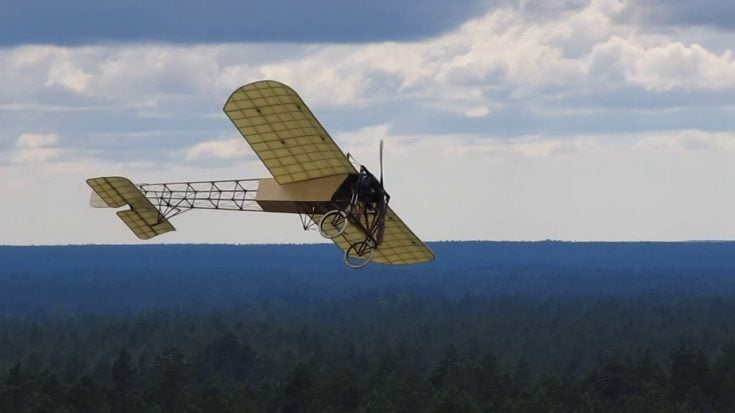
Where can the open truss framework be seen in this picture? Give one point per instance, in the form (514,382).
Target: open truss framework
(175,198)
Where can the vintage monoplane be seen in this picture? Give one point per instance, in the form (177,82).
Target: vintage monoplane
(312,177)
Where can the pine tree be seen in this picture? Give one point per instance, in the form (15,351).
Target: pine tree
(447,371)
(690,376)
(18,389)
(123,396)
(298,390)
(173,375)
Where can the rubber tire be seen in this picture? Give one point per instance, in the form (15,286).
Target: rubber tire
(331,215)
(361,264)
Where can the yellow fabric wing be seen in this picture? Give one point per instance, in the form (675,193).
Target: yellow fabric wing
(400,245)
(284,133)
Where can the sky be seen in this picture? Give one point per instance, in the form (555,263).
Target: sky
(574,120)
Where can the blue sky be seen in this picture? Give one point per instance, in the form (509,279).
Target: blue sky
(569,119)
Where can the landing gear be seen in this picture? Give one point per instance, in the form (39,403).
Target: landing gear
(359,254)
(333,224)
(362,204)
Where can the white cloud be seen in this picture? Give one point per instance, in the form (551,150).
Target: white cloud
(226,149)
(583,187)
(501,56)
(364,142)
(36,155)
(65,74)
(687,141)
(477,111)
(676,65)
(35,140)
(662,67)
(31,147)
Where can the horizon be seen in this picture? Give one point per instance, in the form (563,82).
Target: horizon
(560,241)
(296,243)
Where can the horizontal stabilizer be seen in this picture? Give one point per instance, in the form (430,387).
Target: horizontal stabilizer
(142,227)
(143,218)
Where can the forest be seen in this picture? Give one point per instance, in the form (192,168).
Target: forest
(488,327)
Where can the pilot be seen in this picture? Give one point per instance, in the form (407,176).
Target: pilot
(370,191)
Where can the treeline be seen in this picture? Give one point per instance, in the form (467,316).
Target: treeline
(523,327)
(380,352)
(48,281)
(228,375)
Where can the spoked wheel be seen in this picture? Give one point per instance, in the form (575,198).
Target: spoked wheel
(333,224)
(359,254)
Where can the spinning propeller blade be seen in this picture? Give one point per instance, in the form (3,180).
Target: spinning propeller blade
(381,162)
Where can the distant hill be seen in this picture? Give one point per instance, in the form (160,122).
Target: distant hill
(463,255)
(71,279)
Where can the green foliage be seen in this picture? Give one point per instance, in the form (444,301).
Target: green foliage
(378,353)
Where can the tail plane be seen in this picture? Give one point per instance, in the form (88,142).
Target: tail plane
(143,218)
